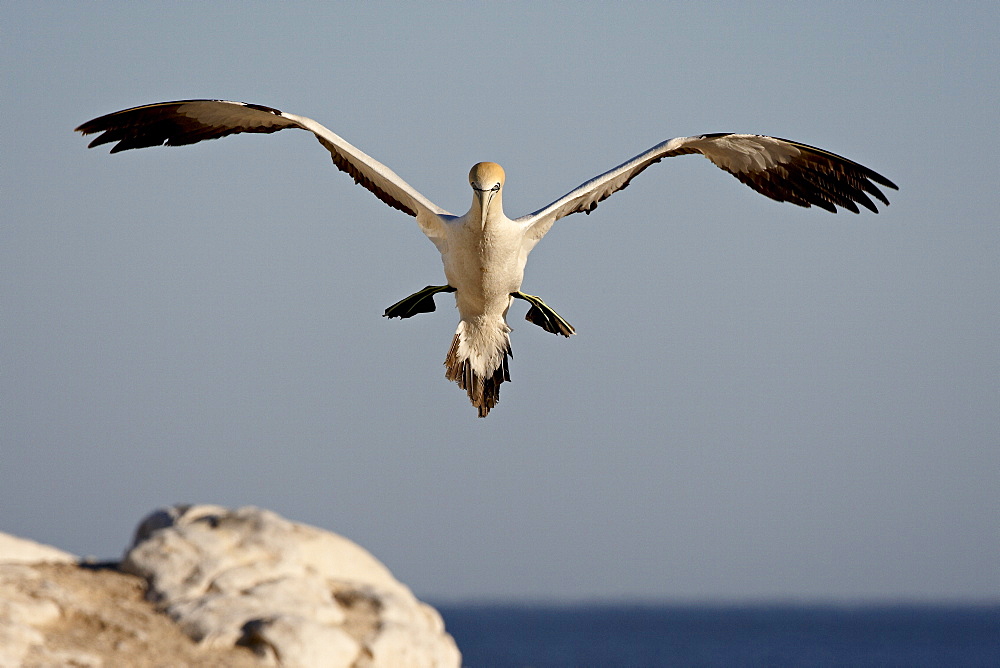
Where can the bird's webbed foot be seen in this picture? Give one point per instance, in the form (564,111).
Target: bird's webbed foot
(418,302)
(541,314)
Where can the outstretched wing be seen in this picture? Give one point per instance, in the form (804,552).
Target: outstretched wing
(191,121)
(784,170)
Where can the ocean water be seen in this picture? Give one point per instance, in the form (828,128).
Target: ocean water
(607,636)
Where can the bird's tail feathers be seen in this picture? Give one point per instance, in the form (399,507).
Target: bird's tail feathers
(477,360)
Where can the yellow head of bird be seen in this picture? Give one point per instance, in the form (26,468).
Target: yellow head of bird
(486,176)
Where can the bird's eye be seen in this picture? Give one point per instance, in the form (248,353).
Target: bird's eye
(496,188)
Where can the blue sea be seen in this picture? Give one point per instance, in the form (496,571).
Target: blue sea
(606,636)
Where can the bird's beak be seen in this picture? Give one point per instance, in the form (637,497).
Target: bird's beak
(484,202)
(485,198)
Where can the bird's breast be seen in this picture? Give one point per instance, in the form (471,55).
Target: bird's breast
(484,264)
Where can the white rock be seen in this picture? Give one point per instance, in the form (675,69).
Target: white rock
(24,615)
(296,594)
(298,641)
(19,614)
(14,550)
(55,615)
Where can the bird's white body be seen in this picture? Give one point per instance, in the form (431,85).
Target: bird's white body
(484,261)
(484,258)
(484,252)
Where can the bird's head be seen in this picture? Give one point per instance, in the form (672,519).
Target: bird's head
(486,179)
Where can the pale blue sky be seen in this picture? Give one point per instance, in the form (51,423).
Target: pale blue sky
(762,401)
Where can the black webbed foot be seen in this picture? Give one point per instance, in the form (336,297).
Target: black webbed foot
(541,314)
(418,302)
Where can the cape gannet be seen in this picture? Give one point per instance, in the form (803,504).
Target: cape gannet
(484,252)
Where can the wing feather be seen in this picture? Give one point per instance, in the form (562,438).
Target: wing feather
(190,121)
(783,170)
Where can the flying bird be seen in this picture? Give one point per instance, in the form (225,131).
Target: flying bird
(484,252)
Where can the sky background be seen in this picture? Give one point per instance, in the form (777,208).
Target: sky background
(762,401)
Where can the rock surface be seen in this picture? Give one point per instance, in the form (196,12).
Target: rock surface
(243,587)
(65,615)
(14,550)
